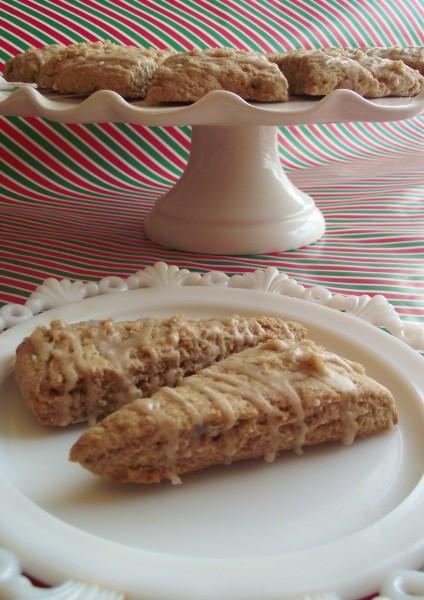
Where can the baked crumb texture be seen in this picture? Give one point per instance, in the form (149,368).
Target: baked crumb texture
(317,73)
(280,395)
(83,372)
(165,76)
(190,76)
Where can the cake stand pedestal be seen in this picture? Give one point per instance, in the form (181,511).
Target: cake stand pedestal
(234,197)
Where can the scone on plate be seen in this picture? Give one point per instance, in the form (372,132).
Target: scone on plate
(189,76)
(84,68)
(26,67)
(83,372)
(317,73)
(280,395)
(412,56)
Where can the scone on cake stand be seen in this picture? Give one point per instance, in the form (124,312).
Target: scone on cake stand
(234,197)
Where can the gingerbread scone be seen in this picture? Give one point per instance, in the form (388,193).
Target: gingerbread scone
(281,395)
(73,373)
(190,76)
(84,68)
(317,73)
(26,67)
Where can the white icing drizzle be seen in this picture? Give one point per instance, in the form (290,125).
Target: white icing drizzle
(172,394)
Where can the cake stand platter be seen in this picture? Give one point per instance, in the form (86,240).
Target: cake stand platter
(234,197)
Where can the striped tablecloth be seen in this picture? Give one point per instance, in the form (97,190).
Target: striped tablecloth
(73,197)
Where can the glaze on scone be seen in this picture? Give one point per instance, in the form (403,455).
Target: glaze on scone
(84,68)
(317,73)
(190,76)
(280,395)
(73,373)
(412,56)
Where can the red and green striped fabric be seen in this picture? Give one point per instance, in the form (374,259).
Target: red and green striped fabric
(73,197)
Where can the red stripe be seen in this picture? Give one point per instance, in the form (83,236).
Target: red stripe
(288,26)
(155,142)
(322,18)
(103,25)
(388,14)
(20,33)
(57,16)
(304,22)
(96,145)
(350,8)
(82,160)
(133,25)
(172,32)
(187,24)
(38,23)
(33,175)
(223,32)
(48,161)
(47,201)
(229,19)
(9,49)
(262,24)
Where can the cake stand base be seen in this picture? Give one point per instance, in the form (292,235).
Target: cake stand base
(234,198)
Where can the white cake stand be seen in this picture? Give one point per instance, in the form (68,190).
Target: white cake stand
(234,197)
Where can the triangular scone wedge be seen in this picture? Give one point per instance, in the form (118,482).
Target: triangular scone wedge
(317,73)
(412,56)
(73,373)
(190,76)
(84,68)
(281,395)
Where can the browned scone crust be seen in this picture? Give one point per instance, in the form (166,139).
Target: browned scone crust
(317,73)
(87,67)
(190,76)
(277,396)
(26,67)
(73,373)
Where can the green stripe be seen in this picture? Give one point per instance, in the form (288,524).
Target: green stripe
(38,31)
(117,24)
(114,146)
(83,147)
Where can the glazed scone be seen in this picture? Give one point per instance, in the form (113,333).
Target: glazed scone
(73,373)
(26,67)
(281,395)
(84,68)
(189,76)
(395,77)
(317,73)
(412,56)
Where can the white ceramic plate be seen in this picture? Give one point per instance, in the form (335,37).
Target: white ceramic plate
(336,519)
(216,108)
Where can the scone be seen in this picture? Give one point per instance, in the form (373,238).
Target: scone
(26,67)
(412,56)
(395,77)
(190,76)
(280,395)
(72,373)
(84,68)
(317,73)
